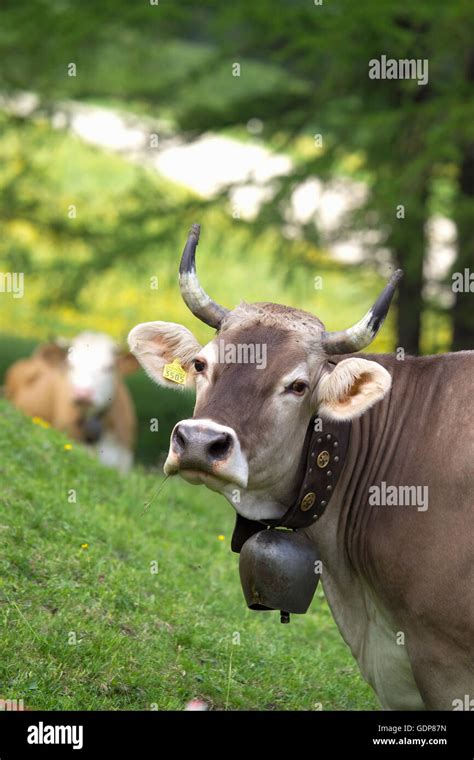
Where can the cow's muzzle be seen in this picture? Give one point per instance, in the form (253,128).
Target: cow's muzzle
(204,447)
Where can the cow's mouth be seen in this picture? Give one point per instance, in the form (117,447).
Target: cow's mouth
(211,478)
(83,403)
(198,477)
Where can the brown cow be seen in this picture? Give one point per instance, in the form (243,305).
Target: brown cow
(79,389)
(398,573)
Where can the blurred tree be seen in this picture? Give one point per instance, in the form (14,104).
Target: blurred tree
(406,132)
(304,71)
(463,315)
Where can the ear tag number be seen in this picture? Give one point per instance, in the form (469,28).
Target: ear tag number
(174,372)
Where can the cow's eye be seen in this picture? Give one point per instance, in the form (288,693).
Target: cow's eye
(297,387)
(199,365)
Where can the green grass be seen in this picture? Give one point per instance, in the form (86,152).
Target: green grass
(94,628)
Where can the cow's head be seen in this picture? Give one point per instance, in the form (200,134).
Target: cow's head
(92,363)
(258,382)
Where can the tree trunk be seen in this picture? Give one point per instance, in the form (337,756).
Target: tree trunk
(408,244)
(463,311)
(410,305)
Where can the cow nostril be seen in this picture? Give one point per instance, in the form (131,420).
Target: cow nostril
(198,446)
(221,446)
(179,440)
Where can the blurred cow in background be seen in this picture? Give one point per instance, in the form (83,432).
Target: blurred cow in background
(78,388)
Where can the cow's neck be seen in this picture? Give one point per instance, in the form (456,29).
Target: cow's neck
(351,578)
(382,450)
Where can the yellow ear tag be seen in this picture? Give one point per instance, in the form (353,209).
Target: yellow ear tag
(174,372)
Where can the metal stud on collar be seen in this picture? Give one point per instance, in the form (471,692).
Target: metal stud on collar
(307,501)
(323,459)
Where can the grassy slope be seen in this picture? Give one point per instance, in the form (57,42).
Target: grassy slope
(143,639)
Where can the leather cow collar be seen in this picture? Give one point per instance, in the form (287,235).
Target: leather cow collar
(324,452)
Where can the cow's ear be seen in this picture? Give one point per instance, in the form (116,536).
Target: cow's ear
(52,353)
(353,386)
(127,363)
(156,344)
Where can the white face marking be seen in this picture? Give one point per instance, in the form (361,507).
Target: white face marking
(91,369)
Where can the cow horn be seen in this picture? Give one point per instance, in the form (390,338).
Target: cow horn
(195,298)
(361,334)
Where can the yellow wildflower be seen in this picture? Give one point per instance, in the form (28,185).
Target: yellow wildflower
(39,421)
